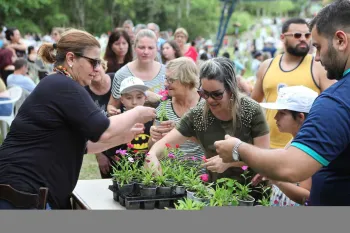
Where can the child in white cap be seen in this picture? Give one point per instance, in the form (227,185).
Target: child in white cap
(133,93)
(293,105)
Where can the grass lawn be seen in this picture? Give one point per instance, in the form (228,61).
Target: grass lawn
(89,170)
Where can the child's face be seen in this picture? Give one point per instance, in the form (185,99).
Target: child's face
(133,99)
(286,123)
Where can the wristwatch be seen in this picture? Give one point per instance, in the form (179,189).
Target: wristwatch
(235,154)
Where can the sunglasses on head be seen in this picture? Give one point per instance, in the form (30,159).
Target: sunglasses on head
(215,95)
(298,35)
(94,62)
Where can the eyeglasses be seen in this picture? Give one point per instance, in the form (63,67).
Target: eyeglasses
(93,62)
(170,80)
(298,35)
(215,95)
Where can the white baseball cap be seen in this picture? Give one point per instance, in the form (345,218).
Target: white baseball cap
(294,98)
(132,84)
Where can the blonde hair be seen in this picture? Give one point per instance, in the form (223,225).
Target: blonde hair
(185,70)
(145,33)
(181,30)
(72,40)
(59,30)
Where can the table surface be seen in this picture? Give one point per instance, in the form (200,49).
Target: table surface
(95,195)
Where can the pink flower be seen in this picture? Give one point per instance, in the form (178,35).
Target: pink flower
(244,168)
(177,146)
(148,161)
(276,202)
(172,156)
(204,177)
(147,154)
(130,145)
(121,152)
(193,158)
(167,145)
(204,158)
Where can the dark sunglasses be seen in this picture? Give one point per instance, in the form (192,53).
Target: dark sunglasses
(93,62)
(298,35)
(214,95)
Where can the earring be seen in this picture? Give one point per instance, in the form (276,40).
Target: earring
(70,66)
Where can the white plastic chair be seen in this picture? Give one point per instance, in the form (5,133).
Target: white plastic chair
(15,95)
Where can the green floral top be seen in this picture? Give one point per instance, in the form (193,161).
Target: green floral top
(209,129)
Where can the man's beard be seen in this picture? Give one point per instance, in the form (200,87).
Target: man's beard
(298,52)
(332,64)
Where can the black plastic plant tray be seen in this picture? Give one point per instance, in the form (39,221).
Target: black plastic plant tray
(135,201)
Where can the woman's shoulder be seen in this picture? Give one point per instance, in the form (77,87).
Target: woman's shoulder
(123,71)
(249,108)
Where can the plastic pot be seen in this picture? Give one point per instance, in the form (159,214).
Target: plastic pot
(149,205)
(163,204)
(190,194)
(204,200)
(132,205)
(164,191)
(249,202)
(179,190)
(148,191)
(126,189)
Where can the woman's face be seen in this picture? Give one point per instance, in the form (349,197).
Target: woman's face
(217,97)
(180,39)
(168,52)
(55,36)
(285,122)
(85,69)
(146,49)
(120,47)
(173,85)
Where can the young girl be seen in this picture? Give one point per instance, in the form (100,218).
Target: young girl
(293,105)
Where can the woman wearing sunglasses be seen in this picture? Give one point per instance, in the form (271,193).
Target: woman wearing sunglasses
(224,111)
(59,123)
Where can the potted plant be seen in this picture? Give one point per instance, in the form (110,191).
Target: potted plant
(266,196)
(178,175)
(148,187)
(162,114)
(188,204)
(243,190)
(224,193)
(203,193)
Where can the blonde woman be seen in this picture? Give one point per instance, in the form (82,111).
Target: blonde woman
(182,81)
(181,37)
(144,67)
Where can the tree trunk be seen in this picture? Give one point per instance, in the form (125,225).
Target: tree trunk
(80,9)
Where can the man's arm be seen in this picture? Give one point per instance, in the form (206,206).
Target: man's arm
(290,165)
(321,75)
(20,46)
(258,92)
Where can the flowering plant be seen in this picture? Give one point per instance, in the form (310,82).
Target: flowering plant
(189,204)
(266,195)
(162,114)
(243,190)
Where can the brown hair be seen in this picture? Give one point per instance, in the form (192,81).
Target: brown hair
(175,46)
(110,56)
(72,40)
(181,30)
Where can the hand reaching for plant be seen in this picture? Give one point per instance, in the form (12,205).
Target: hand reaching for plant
(257,179)
(137,129)
(152,162)
(215,164)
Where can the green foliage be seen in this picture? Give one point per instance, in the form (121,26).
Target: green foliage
(243,18)
(189,204)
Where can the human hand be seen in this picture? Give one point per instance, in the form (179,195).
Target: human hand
(137,129)
(159,131)
(224,148)
(103,163)
(257,179)
(152,162)
(145,114)
(215,164)
(153,97)
(111,110)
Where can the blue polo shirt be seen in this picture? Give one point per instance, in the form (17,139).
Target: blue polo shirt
(325,136)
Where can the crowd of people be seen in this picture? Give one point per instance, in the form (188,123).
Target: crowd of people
(85,97)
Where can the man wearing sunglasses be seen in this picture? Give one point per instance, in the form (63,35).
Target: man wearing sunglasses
(292,68)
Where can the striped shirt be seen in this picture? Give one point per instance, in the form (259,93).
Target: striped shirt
(189,148)
(155,85)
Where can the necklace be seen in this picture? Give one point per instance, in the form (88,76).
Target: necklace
(62,70)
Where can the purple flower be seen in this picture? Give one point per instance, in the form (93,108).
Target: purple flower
(121,152)
(193,158)
(172,156)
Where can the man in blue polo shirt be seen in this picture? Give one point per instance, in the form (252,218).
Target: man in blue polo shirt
(321,149)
